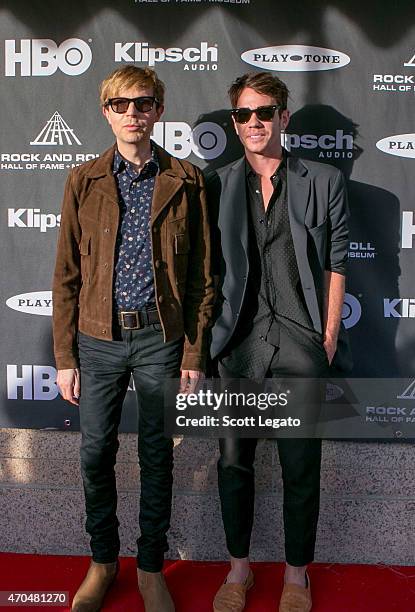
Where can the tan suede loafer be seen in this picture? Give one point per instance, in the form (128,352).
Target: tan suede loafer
(154,591)
(296,598)
(90,595)
(231,596)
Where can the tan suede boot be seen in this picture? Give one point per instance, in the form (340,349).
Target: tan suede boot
(154,591)
(90,595)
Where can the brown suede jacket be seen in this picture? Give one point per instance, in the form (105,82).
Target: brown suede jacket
(83,279)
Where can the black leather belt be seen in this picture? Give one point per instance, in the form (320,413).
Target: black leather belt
(137,319)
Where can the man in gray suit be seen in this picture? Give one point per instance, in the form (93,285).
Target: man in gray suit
(281,245)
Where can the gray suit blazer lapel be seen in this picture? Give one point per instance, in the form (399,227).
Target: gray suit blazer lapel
(233,215)
(298,199)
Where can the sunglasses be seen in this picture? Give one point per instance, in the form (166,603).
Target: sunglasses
(143,104)
(264,113)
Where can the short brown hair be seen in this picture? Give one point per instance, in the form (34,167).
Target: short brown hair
(263,83)
(127,77)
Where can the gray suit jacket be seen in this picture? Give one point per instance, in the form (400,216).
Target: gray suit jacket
(318,212)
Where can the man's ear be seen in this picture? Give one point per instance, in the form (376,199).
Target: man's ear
(105,112)
(235,125)
(159,111)
(284,119)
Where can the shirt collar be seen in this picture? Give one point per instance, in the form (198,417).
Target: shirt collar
(150,168)
(249,171)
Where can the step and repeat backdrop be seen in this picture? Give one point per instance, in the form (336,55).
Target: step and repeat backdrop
(350,69)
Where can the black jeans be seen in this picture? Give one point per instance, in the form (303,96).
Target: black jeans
(300,354)
(106,367)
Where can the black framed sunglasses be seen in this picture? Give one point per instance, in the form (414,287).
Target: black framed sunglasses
(264,113)
(143,104)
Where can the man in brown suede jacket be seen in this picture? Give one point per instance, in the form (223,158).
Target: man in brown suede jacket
(132,294)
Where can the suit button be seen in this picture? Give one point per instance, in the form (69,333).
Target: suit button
(161,298)
(261,337)
(155,230)
(157,263)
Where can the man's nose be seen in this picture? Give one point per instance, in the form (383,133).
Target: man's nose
(131,110)
(254,121)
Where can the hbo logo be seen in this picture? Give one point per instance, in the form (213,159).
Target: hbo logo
(43,57)
(207,140)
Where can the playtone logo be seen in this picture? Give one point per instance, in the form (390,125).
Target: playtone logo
(295,58)
(43,57)
(36,302)
(32,218)
(204,57)
(207,140)
(31,382)
(402,145)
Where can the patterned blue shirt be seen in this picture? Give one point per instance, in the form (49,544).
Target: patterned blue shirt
(133,279)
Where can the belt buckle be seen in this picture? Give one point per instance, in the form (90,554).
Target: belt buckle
(130,314)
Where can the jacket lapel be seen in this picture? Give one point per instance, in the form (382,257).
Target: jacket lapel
(101,171)
(168,182)
(233,215)
(299,186)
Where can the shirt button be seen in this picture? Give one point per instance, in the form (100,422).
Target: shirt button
(105,265)
(261,337)
(261,220)
(155,230)
(161,298)
(257,191)
(106,230)
(104,299)
(157,263)
(104,332)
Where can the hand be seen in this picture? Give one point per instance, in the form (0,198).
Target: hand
(69,383)
(190,379)
(330,346)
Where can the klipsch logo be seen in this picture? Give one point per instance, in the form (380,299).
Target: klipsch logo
(43,57)
(402,145)
(37,303)
(32,218)
(399,308)
(295,58)
(203,57)
(329,146)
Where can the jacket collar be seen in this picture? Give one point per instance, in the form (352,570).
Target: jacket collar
(169,166)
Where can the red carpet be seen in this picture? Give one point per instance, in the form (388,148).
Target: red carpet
(336,588)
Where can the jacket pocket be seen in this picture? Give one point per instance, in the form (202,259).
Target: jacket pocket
(85,252)
(181,247)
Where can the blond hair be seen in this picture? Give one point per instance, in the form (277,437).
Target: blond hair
(130,76)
